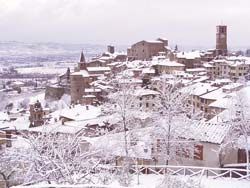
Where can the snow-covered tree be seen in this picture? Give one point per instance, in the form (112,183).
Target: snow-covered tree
(123,102)
(238,117)
(175,117)
(59,158)
(12,166)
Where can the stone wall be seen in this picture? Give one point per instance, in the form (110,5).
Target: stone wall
(56,92)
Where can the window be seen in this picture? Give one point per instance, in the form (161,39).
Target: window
(198,152)
(242,156)
(158,145)
(202,100)
(147,105)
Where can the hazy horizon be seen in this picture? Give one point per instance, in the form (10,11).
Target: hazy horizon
(124,22)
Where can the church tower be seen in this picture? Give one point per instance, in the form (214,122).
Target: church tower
(221,40)
(82,63)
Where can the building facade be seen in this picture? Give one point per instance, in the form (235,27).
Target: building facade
(221,40)
(145,50)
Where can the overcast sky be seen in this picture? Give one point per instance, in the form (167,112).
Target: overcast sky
(183,22)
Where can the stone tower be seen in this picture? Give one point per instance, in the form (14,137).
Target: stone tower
(111,49)
(221,40)
(79,80)
(36,114)
(77,87)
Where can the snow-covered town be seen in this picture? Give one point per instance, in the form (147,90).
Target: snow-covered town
(151,114)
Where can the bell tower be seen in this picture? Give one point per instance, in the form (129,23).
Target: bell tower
(221,40)
(82,63)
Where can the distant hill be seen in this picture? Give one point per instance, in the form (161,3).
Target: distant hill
(20,52)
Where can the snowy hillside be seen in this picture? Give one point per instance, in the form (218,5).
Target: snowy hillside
(19,52)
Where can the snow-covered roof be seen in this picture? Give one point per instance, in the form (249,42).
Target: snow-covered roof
(208,132)
(100,120)
(82,73)
(214,95)
(21,123)
(19,83)
(4,116)
(201,79)
(222,81)
(57,128)
(88,96)
(90,69)
(144,137)
(198,89)
(105,58)
(188,55)
(144,92)
(231,102)
(196,70)
(167,62)
(92,90)
(232,86)
(223,103)
(148,71)
(153,41)
(80,112)
(131,80)
(115,64)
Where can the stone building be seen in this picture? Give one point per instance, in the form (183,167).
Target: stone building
(111,49)
(230,67)
(56,90)
(79,81)
(145,50)
(36,114)
(189,59)
(167,67)
(221,40)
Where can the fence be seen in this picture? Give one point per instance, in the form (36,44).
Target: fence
(192,171)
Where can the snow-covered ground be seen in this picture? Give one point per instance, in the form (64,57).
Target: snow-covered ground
(41,70)
(150,181)
(153,181)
